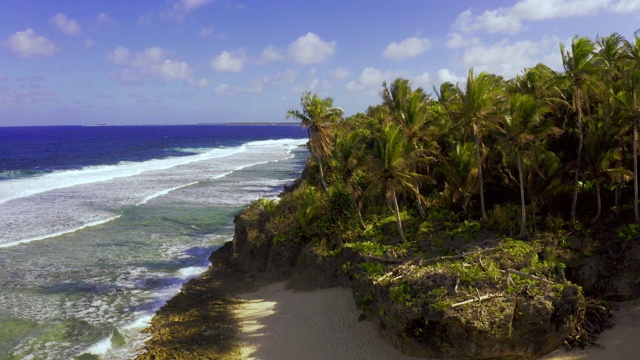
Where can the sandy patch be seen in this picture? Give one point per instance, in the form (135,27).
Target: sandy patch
(322,324)
(620,342)
(283,324)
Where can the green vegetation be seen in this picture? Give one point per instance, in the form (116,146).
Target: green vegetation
(476,193)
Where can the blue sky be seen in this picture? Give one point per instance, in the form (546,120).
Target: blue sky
(119,62)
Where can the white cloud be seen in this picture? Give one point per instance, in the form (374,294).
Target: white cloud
(445,75)
(89,43)
(228,62)
(180,9)
(310,49)
(288,76)
(625,6)
(128,77)
(372,78)
(28,44)
(424,81)
(66,25)
(457,40)
(407,48)
(206,31)
(202,83)
(508,59)
(104,19)
(149,57)
(119,56)
(151,62)
(510,20)
(339,74)
(313,84)
(173,70)
(190,5)
(270,54)
(223,89)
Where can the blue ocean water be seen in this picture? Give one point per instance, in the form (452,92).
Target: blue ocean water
(28,151)
(99,226)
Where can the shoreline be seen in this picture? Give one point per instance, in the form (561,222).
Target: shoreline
(227,315)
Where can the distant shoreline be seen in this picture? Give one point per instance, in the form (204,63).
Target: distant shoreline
(136,125)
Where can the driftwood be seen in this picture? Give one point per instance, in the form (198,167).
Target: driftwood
(386,259)
(479,298)
(460,256)
(533,277)
(436,259)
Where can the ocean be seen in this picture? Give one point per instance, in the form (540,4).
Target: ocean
(100,225)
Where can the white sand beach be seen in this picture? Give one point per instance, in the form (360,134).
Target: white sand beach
(620,342)
(323,324)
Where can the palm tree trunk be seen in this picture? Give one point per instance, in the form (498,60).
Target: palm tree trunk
(356,206)
(420,207)
(617,199)
(479,157)
(397,211)
(576,104)
(635,169)
(533,217)
(599,202)
(324,184)
(523,221)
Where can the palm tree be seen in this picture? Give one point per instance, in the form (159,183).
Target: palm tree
(394,165)
(460,172)
(408,109)
(578,66)
(629,100)
(608,57)
(601,152)
(543,172)
(317,115)
(476,108)
(350,160)
(521,129)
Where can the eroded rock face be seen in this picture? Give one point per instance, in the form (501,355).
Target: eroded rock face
(516,324)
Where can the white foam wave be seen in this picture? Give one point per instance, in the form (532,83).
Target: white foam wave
(284,142)
(165,192)
(91,224)
(190,272)
(14,189)
(101,347)
(87,195)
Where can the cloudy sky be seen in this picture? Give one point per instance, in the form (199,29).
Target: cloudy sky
(194,61)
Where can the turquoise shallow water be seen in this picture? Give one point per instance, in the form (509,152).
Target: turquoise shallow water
(92,290)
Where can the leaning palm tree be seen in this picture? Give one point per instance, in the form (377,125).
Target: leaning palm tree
(349,157)
(317,115)
(578,67)
(476,108)
(408,109)
(393,164)
(522,128)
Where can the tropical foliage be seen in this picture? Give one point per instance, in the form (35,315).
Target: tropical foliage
(558,144)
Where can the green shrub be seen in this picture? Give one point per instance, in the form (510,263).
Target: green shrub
(627,232)
(505,219)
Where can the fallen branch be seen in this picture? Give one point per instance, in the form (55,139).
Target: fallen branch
(460,256)
(533,277)
(385,259)
(480,298)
